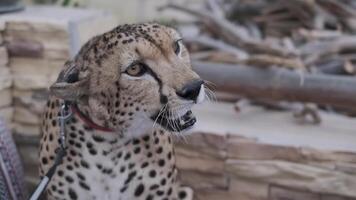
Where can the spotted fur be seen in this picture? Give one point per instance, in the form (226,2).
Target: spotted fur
(137,160)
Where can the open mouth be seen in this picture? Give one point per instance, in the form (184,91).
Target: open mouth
(179,124)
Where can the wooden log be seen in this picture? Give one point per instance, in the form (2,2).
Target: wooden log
(280,84)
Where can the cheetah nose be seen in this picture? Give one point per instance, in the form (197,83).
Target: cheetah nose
(191,90)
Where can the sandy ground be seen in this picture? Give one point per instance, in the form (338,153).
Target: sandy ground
(336,132)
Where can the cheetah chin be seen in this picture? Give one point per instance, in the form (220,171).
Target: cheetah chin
(179,124)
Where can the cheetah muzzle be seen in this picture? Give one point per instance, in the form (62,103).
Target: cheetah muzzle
(193,91)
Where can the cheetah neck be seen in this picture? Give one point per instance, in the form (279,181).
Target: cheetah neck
(83,117)
(99,162)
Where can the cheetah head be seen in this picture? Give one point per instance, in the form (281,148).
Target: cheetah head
(133,78)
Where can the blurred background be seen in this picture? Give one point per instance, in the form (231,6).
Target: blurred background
(279,122)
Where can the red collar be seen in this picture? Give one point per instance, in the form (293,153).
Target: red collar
(87,120)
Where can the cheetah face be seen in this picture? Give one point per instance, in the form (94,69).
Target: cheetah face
(136,77)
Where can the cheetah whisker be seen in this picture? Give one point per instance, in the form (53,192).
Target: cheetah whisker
(162,110)
(178,134)
(210,95)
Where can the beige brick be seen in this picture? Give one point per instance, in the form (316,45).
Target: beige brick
(201,180)
(5,78)
(5,97)
(279,193)
(26,116)
(294,175)
(4,57)
(31,73)
(6,113)
(26,129)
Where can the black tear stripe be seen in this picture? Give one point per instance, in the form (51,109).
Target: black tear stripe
(163,98)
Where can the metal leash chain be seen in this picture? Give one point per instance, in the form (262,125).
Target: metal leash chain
(66,114)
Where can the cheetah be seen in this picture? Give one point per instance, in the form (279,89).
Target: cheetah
(131,91)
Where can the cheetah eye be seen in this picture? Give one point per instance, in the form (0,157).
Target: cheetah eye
(176,46)
(136,69)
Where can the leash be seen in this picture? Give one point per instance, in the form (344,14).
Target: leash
(68,109)
(66,114)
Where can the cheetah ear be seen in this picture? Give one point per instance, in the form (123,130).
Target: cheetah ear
(68,85)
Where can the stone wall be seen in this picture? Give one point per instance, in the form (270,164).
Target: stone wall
(39,40)
(34,44)
(217,166)
(6,110)
(233,167)
(37,52)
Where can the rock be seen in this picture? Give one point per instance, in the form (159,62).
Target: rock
(5,78)
(24,115)
(57,54)
(249,189)
(201,180)
(2,26)
(4,57)
(311,154)
(31,99)
(240,189)
(294,175)
(6,113)
(19,47)
(5,98)
(282,193)
(334,197)
(208,153)
(47,40)
(215,194)
(279,193)
(257,151)
(23,21)
(26,129)
(207,144)
(346,168)
(26,72)
(196,161)
(56,28)
(25,48)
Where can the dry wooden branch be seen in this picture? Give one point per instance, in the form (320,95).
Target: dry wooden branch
(215,8)
(316,36)
(308,110)
(268,60)
(216,56)
(216,44)
(330,46)
(231,33)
